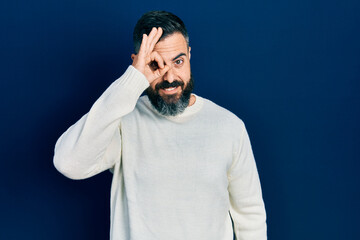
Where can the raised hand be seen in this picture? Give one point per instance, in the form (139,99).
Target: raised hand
(147,61)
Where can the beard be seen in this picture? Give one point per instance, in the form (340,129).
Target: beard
(171,105)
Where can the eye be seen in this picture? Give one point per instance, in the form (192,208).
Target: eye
(178,62)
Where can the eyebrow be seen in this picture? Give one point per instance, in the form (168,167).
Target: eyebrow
(181,54)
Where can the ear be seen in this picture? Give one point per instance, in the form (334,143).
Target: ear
(133,56)
(189,53)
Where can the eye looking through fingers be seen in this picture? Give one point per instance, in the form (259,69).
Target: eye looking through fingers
(148,61)
(156,61)
(177,63)
(154,65)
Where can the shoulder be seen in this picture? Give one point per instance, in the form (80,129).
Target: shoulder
(229,128)
(221,114)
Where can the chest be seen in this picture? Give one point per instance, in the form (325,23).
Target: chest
(182,158)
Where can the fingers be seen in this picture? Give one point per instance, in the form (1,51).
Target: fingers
(150,38)
(149,41)
(148,62)
(155,56)
(142,50)
(162,71)
(160,68)
(154,37)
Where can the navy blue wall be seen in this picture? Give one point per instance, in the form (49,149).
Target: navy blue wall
(289,69)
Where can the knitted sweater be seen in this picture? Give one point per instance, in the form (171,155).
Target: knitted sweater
(173,177)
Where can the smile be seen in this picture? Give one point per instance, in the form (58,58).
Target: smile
(170,90)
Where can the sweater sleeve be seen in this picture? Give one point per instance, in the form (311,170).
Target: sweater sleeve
(93,143)
(246,204)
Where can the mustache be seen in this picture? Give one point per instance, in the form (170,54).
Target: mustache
(166,84)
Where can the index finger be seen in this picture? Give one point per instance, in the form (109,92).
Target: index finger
(155,39)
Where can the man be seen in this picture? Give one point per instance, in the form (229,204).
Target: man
(182,166)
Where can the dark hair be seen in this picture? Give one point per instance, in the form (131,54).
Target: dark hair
(167,21)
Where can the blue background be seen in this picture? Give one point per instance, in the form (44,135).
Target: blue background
(289,69)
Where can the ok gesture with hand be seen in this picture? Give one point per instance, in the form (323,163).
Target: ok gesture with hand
(147,61)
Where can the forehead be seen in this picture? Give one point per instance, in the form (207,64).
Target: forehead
(172,45)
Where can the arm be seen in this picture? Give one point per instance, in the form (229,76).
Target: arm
(93,144)
(246,204)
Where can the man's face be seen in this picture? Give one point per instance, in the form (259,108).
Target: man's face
(170,93)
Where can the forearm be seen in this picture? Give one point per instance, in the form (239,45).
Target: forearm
(247,209)
(93,144)
(247,206)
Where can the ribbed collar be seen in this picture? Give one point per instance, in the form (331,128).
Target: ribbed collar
(189,112)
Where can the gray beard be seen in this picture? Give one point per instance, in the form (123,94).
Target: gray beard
(171,106)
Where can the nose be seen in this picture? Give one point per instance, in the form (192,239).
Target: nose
(170,75)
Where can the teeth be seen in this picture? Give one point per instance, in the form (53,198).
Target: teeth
(170,89)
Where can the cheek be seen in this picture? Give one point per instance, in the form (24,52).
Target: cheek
(153,83)
(184,73)
(185,76)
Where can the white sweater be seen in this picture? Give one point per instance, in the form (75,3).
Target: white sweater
(173,177)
